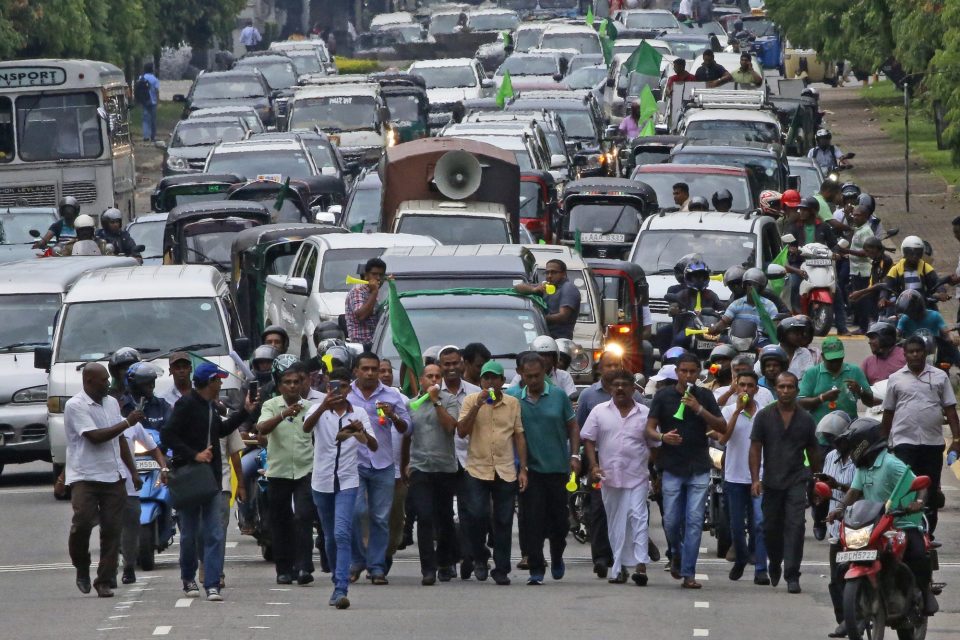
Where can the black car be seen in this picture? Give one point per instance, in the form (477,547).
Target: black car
(363,209)
(193,138)
(238,87)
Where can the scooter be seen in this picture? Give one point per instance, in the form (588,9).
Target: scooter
(258,521)
(157,521)
(880,590)
(820,286)
(716,520)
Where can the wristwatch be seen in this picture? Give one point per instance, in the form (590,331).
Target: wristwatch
(437,404)
(164,470)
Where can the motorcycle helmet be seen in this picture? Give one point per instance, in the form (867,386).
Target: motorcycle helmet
(776,352)
(336,356)
(911,303)
(868,202)
(264,353)
(280,331)
(110,215)
(737,26)
(864,441)
(544,344)
(823,134)
(831,426)
(681,265)
(733,277)
(754,277)
(698,203)
(327,330)
(810,92)
(140,375)
(850,190)
(722,351)
(696,275)
(799,323)
(790,198)
(672,355)
(569,351)
(68,207)
(912,244)
(280,364)
(886,334)
(722,200)
(431,354)
(123,357)
(84,222)
(770,202)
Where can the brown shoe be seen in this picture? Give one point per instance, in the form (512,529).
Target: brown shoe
(103,590)
(690,583)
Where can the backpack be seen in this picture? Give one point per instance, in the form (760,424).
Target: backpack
(141,91)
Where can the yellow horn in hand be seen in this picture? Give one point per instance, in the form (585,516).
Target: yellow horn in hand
(695,332)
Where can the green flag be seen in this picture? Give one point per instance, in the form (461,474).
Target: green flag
(648,111)
(590,15)
(282,195)
(404,337)
(766,322)
(577,243)
(777,283)
(644,60)
(606,41)
(357,228)
(505,92)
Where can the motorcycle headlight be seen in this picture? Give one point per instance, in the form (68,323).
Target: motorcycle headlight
(392,137)
(31,394)
(178,164)
(857,538)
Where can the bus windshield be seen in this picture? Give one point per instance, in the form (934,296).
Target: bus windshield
(336,113)
(59,126)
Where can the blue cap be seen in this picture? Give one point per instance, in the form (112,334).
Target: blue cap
(207,371)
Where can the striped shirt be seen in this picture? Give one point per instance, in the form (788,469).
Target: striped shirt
(841,471)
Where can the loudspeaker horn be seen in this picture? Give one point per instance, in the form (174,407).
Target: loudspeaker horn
(457,174)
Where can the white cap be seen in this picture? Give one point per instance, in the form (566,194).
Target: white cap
(666,372)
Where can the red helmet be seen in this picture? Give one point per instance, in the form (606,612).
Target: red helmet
(790,198)
(770,202)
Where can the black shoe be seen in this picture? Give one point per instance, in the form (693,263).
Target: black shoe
(793,586)
(820,531)
(736,571)
(500,578)
(429,580)
(103,590)
(83,583)
(129,576)
(762,579)
(639,578)
(481,571)
(839,632)
(304,577)
(653,551)
(775,573)
(284,578)
(600,568)
(466,569)
(446,574)
(524,564)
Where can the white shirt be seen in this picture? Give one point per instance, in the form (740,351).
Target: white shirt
(686,8)
(315,396)
(135,434)
(842,471)
(736,461)
(328,457)
(172,395)
(560,378)
(763,396)
(803,359)
(86,460)
(461,445)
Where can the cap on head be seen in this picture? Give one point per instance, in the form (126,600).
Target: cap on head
(178,356)
(493,367)
(832,348)
(207,371)
(809,203)
(667,372)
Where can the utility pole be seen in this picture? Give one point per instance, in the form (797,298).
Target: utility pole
(906,142)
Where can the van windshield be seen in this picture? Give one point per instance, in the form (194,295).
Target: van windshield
(335,113)
(454,229)
(26,320)
(657,251)
(153,327)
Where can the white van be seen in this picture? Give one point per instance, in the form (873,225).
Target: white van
(156,310)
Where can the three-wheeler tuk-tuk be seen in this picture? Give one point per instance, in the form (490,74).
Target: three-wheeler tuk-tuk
(294,201)
(603,215)
(623,295)
(203,232)
(173,191)
(538,204)
(406,98)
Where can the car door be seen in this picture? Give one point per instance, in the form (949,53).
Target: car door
(295,295)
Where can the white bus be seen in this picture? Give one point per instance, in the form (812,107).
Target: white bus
(64,132)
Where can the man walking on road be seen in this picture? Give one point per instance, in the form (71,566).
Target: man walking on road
(680,417)
(96,454)
(250,37)
(783,439)
(147,89)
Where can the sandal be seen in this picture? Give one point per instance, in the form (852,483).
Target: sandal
(379,579)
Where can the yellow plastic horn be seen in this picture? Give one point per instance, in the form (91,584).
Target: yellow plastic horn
(352,280)
(328,361)
(717,277)
(550,288)
(572,482)
(695,332)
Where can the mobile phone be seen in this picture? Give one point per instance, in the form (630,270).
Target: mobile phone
(254,390)
(333,386)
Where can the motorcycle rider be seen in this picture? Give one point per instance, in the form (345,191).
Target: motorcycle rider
(914,316)
(808,228)
(112,233)
(277,337)
(63,229)
(887,356)
(120,360)
(721,357)
(86,243)
(722,200)
(695,295)
(792,333)
(327,330)
(911,272)
(744,307)
(882,476)
(773,361)
(698,203)
(260,365)
(827,156)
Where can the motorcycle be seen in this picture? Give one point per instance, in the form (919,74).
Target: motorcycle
(880,590)
(694,325)
(843,166)
(579,507)
(258,521)
(743,336)
(157,522)
(716,519)
(818,289)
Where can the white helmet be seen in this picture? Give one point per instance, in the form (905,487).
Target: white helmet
(833,424)
(910,242)
(544,344)
(84,222)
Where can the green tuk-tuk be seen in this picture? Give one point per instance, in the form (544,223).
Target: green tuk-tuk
(203,232)
(406,97)
(260,252)
(173,191)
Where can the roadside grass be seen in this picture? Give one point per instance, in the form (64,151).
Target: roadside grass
(887,103)
(168,113)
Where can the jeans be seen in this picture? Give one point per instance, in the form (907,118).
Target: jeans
(480,493)
(864,309)
(925,460)
(432,496)
(840,296)
(793,281)
(205,520)
(544,504)
(374,498)
(250,464)
(291,527)
(150,122)
(97,503)
(600,550)
(336,520)
(130,535)
(684,502)
(741,508)
(784,518)
(224,519)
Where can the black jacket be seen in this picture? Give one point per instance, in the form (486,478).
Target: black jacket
(185,434)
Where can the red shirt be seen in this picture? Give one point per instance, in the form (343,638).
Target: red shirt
(686,76)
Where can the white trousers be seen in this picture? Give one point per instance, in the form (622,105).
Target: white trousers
(627,524)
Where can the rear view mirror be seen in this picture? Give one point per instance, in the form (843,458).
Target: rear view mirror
(776,272)
(609,310)
(42,357)
(241,345)
(140,248)
(487,83)
(34,233)
(297,286)
(793,182)
(335,209)
(325,217)
(822,490)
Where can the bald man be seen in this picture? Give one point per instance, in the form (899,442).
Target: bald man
(96,455)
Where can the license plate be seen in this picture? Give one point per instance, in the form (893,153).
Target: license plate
(857,556)
(819,263)
(270,177)
(602,237)
(702,342)
(147,465)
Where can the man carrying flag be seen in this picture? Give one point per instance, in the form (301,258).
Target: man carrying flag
(752,306)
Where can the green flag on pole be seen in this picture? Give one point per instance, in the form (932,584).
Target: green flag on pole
(282,195)
(648,111)
(577,243)
(777,283)
(766,322)
(590,15)
(505,92)
(644,60)
(404,337)
(606,41)
(358,227)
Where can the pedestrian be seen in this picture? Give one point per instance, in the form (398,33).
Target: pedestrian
(616,430)
(680,417)
(362,312)
(563,305)
(492,422)
(685,10)
(880,265)
(340,431)
(630,125)
(289,464)
(918,399)
(783,438)
(147,90)
(96,457)
(728,395)
(552,438)
(773,361)
(834,384)
(250,37)
(190,434)
(180,368)
(475,355)
(886,356)
(386,410)
(399,513)
(432,475)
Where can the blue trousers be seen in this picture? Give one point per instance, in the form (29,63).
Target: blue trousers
(374,499)
(742,508)
(684,502)
(150,122)
(336,519)
(202,523)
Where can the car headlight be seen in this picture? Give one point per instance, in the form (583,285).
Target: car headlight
(55,404)
(177,163)
(31,394)
(393,137)
(857,538)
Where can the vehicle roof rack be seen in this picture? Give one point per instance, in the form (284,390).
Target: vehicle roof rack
(729,99)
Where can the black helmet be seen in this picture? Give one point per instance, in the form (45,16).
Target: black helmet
(733,276)
(672,355)
(681,266)
(793,322)
(139,375)
(886,334)
(698,203)
(68,203)
(737,25)
(755,277)
(867,202)
(850,190)
(776,352)
(722,198)
(911,302)
(110,215)
(327,329)
(280,331)
(696,275)
(124,357)
(723,351)
(864,441)
(280,364)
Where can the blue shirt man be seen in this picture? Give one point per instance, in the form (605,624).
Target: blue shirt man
(148,100)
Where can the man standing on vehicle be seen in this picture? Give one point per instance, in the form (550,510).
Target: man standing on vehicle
(553,451)
(834,384)
(680,417)
(96,455)
(918,399)
(563,305)
(681,195)
(147,90)
(361,312)
(745,75)
(711,72)
(680,75)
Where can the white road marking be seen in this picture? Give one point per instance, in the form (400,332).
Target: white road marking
(268,615)
(183,603)
(701,605)
(27,490)
(117,617)
(279,589)
(109,628)
(701,576)
(703,549)
(122,606)
(277,603)
(231,545)
(162,630)
(701,633)
(258,627)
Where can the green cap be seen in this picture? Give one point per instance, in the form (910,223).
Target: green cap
(492,366)
(832,348)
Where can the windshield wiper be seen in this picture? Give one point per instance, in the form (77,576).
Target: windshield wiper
(190,347)
(207,258)
(505,355)
(25,343)
(147,349)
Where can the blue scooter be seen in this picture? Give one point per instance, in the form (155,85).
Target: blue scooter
(157,525)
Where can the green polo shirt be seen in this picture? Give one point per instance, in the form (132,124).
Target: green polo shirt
(818,380)
(825,213)
(889,479)
(289,449)
(545,428)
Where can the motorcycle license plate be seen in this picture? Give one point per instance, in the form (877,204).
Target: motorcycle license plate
(857,556)
(602,237)
(820,262)
(147,465)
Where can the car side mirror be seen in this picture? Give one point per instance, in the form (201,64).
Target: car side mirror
(42,358)
(775,272)
(242,346)
(920,483)
(579,161)
(486,83)
(325,217)
(179,97)
(296,286)
(160,144)
(822,490)
(609,311)
(335,209)
(611,131)
(140,248)
(352,168)
(558,161)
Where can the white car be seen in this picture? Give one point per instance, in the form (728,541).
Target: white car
(450,81)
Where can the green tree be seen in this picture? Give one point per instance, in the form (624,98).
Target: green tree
(944,79)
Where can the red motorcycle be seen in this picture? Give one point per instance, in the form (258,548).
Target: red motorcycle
(880,589)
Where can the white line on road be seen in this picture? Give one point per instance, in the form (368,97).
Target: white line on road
(701,633)
(30,490)
(277,603)
(268,615)
(703,549)
(231,545)
(109,628)
(258,627)
(183,603)
(162,630)
(279,589)
(701,605)
(701,576)
(117,617)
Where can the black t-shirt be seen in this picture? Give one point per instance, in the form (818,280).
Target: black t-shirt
(709,73)
(784,447)
(692,456)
